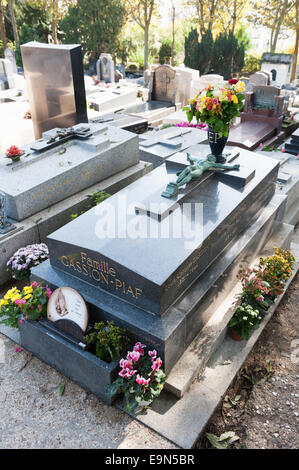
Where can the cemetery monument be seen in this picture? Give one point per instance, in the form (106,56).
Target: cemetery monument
(55,84)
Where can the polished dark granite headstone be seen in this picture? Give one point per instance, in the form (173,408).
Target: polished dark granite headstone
(151,273)
(250,134)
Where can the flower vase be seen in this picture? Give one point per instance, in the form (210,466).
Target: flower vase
(217,144)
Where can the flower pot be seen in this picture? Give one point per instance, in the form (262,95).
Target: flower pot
(217,144)
(81,366)
(235,335)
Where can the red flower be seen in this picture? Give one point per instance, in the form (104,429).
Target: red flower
(233,81)
(14,151)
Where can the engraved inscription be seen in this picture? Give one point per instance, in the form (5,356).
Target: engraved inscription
(101,272)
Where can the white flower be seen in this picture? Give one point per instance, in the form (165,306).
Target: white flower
(245,318)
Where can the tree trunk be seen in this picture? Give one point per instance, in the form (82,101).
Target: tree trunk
(146,30)
(2,27)
(54,31)
(13,20)
(294,66)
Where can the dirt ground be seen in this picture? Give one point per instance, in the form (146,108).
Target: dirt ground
(264,409)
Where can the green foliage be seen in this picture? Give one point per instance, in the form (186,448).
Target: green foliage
(205,49)
(165,52)
(224,55)
(33,22)
(252,64)
(224,441)
(192,50)
(245,319)
(9,44)
(93,200)
(109,341)
(228,55)
(96,24)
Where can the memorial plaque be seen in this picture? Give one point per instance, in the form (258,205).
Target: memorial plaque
(264,97)
(67,305)
(55,83)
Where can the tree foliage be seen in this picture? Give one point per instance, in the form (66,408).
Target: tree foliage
(96,24)
(192,50)
(165,52)
(142,13)
(273,14)
(225,55)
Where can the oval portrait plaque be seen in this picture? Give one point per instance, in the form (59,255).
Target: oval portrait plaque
(67,304)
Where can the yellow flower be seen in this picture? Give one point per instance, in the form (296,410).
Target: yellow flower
(235,99)
(28,296)
(28,290)
(3,302)
(239,87)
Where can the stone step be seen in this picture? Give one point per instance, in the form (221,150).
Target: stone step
(183,420)
(196,357)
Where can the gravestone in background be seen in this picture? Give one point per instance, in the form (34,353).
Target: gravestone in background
(6,74)
(164,85)
(259,78)
(121,69)
(50,173)
(186,80)
(156,147)
(261,119)
(105,68)
(55,84)
(10,55)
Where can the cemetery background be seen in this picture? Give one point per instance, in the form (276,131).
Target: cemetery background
(146,105)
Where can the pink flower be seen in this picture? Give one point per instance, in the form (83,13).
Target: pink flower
(261,145)
(18,349)
(141,380)
(21,322)
(20,301)
(283,150)
(139,348)
(157,364)
(127,373)
(125,364)
(34,284)
(152,354)
(134,356)
(39,307)
(48,292)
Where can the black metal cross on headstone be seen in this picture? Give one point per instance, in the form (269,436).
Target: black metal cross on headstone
(58,136)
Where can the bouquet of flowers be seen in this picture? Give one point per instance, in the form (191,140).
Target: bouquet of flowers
(217,106)
(14,153)
(25,258)
(140,379)
(30,303)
